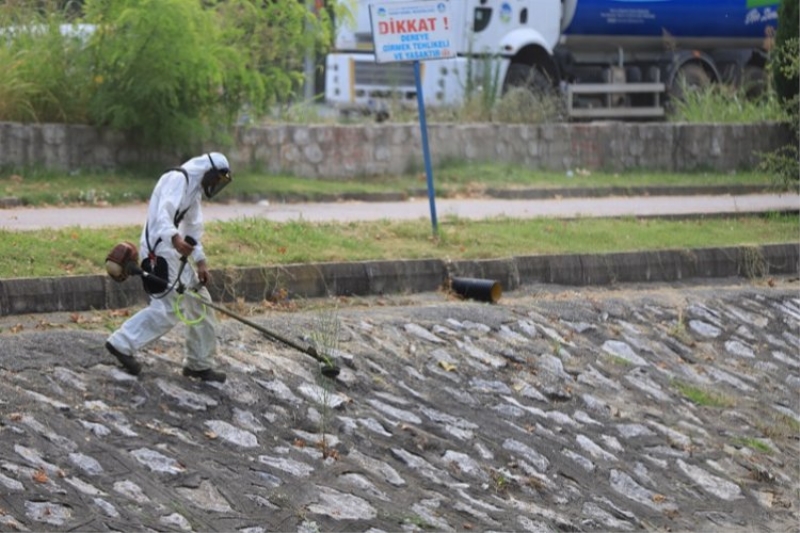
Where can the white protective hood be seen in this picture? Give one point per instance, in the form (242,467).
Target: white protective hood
(173,194)
(198,166)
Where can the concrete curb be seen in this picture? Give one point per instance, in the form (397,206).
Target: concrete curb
(537,193)
(316,280)
(603,192)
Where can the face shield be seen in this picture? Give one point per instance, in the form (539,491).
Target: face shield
(215,179)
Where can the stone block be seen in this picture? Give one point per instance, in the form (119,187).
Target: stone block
(663,265)
(532,269)
(719,262)
(300,280)
(394,277)
(782,258)
(345,279)
(565,269)
(603,269)
(129,293)
(52,294)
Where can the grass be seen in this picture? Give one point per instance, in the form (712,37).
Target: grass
(39,187)
(754,444)
(724,104)
(703,396)
(778,426)
(258,242)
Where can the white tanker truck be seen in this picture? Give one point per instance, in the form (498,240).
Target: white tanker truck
(610,58)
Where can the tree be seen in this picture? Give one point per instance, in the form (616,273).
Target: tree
(275,36)
(169,73)
(785,62)
(179,70)
(159,68)
(784,163)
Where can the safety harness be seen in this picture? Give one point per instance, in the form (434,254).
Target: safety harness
(158,265)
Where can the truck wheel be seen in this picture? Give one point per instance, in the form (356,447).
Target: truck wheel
(528,77)
(754,81)
(690,76)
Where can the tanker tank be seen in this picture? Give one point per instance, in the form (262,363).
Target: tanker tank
(655,24)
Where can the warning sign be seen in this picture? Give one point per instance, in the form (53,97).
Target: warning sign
(412,31)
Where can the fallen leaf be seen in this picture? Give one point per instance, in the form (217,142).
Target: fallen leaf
(330,453)
(40,476)
(210,435)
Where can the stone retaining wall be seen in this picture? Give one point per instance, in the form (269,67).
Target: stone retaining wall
(320,280)
(334,151)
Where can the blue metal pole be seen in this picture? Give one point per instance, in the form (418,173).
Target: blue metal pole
(425,149)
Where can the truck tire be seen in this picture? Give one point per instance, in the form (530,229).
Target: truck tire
(689,76)
(529,77)
(754,81)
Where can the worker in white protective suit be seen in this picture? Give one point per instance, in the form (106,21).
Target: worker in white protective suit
(170,244)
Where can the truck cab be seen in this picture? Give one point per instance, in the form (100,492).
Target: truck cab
(486,32)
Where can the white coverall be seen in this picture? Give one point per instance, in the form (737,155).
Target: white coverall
(175,193)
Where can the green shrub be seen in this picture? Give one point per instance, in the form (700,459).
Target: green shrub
(784,163)
(159,69)
(169,73)
(44,70)
(785,58)
(274,39)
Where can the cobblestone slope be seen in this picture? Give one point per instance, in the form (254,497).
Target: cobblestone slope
(654,407)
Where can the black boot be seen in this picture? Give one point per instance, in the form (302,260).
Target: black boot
(130,364)
(209,374)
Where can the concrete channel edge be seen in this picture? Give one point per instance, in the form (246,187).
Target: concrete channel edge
(317,280)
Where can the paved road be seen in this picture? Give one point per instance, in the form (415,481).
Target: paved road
(32,218)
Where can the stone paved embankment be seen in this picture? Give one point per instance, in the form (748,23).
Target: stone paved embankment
(664,407)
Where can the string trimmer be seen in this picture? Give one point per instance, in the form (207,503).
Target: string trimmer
(121,263)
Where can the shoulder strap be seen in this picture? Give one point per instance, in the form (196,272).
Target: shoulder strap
(181,170)
(180,214)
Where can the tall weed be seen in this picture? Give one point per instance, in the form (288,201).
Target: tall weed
(44,67)
(15,90)
(725,104)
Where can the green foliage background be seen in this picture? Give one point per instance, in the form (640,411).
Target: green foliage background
(786,56)
(784,164)
(168,73)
